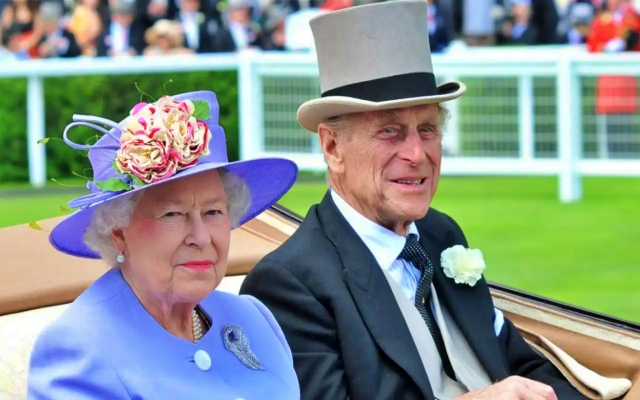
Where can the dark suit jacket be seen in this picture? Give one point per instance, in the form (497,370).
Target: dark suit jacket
(345,329)
(72,49)
(136,40)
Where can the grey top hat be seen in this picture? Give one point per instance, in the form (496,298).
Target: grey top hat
(374,57)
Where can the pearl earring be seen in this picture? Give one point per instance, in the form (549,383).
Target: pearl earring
(120,258)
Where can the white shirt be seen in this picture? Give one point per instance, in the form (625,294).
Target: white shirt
(191,31)
(119,38)
(386,246)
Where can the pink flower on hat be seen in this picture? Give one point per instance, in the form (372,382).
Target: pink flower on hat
(191,139)
(160,139)
(149,157)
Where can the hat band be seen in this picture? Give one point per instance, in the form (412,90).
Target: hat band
(396,87)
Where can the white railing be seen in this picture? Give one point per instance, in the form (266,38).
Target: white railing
(520,116)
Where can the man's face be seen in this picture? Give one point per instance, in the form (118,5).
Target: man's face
(189,5)
(239,15)
(387,163)
(123,19)
(521,13)
(614,5)
(49,26)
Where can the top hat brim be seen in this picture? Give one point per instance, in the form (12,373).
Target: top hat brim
(313,112)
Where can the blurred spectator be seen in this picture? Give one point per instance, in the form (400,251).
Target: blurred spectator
(158,9)
(22,19)
(119,37)
(297,31)
(517,27)
(616,29)
(56,41)
(580,17)
(440,34)
(165,37)
(239,31)
(12,43)
(272,35)
(478,22)
(545,20)
(195,25)
(85,24)
(118,27)
(568,16)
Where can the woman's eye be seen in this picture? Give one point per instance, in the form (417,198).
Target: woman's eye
(172,214)
(214,212)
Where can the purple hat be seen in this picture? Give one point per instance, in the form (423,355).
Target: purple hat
(175,137)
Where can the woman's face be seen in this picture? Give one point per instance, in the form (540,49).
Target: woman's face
(164,42)
(177,242)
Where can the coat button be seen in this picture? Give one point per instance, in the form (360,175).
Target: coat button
(202,359)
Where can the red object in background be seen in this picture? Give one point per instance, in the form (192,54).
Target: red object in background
(335,5)
(33,50)
(614,94)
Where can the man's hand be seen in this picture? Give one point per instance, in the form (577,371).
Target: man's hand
(513,388)
(44,50)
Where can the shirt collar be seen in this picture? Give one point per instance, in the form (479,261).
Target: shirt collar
(385,245)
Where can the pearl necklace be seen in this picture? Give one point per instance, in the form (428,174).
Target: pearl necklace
(198,325)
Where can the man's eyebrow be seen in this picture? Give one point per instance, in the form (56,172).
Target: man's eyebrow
(431,120)
(386,117)
(391,116)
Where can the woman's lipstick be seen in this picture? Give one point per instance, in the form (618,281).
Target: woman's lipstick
(198,265)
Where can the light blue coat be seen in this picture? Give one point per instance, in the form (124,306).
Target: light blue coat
(106,346)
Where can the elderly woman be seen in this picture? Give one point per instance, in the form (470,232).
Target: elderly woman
(164,201)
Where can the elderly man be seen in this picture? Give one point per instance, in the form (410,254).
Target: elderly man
(377,294)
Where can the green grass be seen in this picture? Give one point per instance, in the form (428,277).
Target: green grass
(585,254)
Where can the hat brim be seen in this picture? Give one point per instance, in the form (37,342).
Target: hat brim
(268,179)
(314,112)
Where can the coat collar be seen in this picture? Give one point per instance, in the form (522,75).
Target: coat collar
(384,244)
(371,293)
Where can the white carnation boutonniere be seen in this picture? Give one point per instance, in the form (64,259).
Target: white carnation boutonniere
(462,264)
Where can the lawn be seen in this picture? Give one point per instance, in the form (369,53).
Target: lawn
(584,254)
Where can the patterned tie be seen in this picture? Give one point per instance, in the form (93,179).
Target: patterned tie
(415,254)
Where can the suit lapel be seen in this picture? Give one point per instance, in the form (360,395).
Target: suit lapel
(372,295)
(457,298)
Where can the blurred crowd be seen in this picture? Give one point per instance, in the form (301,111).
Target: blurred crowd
(108,28)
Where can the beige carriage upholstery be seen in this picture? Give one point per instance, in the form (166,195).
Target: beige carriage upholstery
(36,283)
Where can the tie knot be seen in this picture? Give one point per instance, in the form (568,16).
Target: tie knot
(413,252)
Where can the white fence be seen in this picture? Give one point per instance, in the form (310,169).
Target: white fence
(526,112)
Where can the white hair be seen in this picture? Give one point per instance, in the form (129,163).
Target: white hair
(117,213)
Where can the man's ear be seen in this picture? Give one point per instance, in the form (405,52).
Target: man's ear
(331,148)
